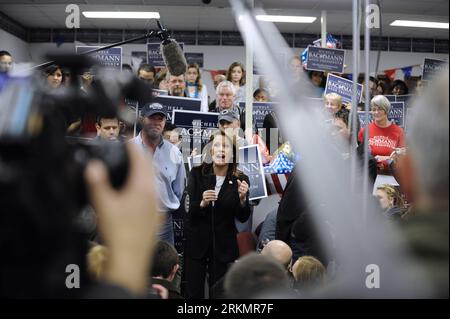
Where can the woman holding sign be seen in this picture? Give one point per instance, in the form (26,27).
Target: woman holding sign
(385,137)
(217,194)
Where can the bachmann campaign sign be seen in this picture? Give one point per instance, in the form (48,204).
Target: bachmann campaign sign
(171,103)
(109,58)
(195,129)
(260,111)
(431,67)
(325,60)
(343,87)
(251,165)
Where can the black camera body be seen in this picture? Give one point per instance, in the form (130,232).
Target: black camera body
(34,120)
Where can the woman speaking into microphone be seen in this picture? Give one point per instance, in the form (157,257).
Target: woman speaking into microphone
(218,193)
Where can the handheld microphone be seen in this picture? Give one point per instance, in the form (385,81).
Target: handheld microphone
(172,54)
(212,185)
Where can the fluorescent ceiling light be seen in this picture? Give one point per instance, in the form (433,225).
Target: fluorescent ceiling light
(289,19)
(420,24)
(121,15)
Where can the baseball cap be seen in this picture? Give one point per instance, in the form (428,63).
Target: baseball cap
(229,115)
(150,109)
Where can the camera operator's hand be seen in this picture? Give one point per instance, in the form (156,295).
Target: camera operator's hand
(127,220)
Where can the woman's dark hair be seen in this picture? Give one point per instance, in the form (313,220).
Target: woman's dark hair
(260,90)
(159,77)
(310,75)
(50,70)
(207,164)
(384,86)
(198,81)
(402,86)
(373,79)
(230,70)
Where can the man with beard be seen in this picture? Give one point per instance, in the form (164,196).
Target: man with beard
(177,85)
(167,163)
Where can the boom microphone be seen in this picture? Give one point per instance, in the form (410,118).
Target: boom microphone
(172,54)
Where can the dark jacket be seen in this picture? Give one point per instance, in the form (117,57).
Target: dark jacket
(295,224)
(198,222)
(394,213)
(173,293)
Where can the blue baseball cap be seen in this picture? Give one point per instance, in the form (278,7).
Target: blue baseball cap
(150,109)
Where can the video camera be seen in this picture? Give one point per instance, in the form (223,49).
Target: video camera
(34,120)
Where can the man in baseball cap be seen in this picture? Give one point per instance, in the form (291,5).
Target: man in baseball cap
(167,163)
(229,118)
(153,108)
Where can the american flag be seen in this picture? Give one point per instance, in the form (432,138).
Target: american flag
(277,174)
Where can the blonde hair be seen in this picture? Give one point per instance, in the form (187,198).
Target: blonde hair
(392,194)
(97,258)
(308,271)
(334,97)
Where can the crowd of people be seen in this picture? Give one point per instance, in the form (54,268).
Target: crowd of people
(284,255)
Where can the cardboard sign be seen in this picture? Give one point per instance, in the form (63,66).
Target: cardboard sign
(325,60)
(195,129)
(171,103)
(431,67)
(194,58)
(110,58)
(260,111)
(343,87)
(251,165)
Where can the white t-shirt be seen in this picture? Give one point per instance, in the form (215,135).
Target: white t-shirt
(219,183)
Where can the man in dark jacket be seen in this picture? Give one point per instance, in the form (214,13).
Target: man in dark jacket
(164,268)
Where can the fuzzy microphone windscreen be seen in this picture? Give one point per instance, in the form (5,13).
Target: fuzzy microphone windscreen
(174,58)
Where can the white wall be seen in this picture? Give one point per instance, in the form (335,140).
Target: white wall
(18,48)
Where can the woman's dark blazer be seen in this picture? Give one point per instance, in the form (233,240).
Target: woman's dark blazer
(198,221)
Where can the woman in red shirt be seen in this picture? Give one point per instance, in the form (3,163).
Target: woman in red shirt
(384,136)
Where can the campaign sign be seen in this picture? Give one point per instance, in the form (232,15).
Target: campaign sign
(391,98)
(196,58)
(431,67)
(325,60)
(195,129)
(343,87)
(171,103)
(156,92)
(251,165)
(397,113)
(110,58)
(260,111)
(154,56)
(140,56)
(362,118)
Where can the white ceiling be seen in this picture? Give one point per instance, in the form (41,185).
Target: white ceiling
(194,15)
